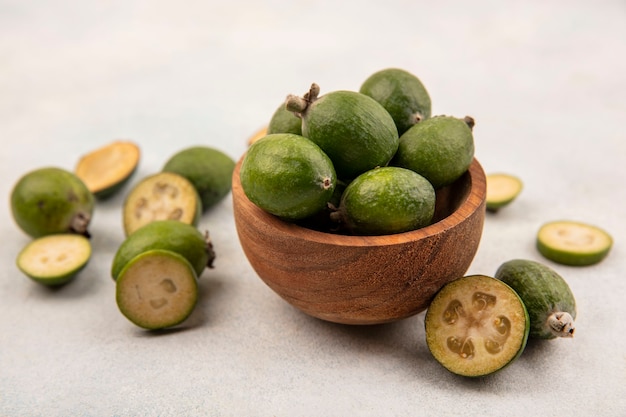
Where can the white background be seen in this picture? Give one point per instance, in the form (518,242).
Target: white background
(545,81)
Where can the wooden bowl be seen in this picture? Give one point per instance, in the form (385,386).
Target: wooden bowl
(364,279)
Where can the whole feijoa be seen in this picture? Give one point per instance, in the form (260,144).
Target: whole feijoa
(284,121)
(287,175)
(401,93)
(385,201)
(51,200)
(440,148)
(354,130)
(208,169)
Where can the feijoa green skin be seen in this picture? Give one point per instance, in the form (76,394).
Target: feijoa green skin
(401,93)
(208,169)
(385,201)
(354,130)
(288,176)
(171,235)
(440,148)
(476,325)
(157,289)
(547,296)
(284,121)
(52,200)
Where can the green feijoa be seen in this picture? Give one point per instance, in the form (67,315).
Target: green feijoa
(354,130)
(52,200)
(161,196)
(401,93)
(209,170)
(172,235)
(546,295)
(287,175)
(386,200)
(157,289)
(476,325)
(54,259)
(440,148)
(573,243)
(284,121)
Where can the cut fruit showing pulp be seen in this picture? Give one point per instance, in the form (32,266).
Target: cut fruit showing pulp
(573,243)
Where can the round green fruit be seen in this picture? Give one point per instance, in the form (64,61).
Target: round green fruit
(440,148)
(171,235)
(284,121)
(287,175)
(401,93)
(354,130)
(385,201)
(208,169)
(52,200)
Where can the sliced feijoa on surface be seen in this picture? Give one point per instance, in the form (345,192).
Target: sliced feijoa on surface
(476,325)
(502,189)
(162,196)
(157,289)
(573,243)
(105,170)
(54,259)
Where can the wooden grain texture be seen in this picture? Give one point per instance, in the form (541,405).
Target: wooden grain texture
(364,279)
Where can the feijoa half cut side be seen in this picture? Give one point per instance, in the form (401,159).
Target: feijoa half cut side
(573,243)
(172,235)
(157,289)
(105,170)
(54,259)
(502,189)
(162,196)
(476,325)
(549,300)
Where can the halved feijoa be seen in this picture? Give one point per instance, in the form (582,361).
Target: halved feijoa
(401,93)
(51,200)
(162,196)
(476,325)
(208,169)
(172,235)
(550,303)
(502,189)
(354,130)
(157,289)
(55,259)
(105,170)
(288,176)
(573,243)
(385,201)
(440,148)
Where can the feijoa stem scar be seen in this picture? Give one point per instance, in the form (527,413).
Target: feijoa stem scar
(561,324)
(298,105)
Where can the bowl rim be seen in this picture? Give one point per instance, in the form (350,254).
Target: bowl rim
(474,201)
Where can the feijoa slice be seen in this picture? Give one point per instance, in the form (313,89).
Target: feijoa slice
(208,169)
(401,93)
(573,243)
(288,176)
(476,325)
(157,289)
(385,201)
(51,200)
(354,130)
(440,148)
(172,235)
(105,170)
(549,300)
(502,189)
(54,259)
(161,196)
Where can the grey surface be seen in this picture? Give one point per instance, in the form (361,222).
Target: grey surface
(545,82)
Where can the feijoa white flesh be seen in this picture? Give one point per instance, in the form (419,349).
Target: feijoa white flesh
(157,289)
(55,259)
(476,325)
(502,189)
(573,243)
(162,196)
